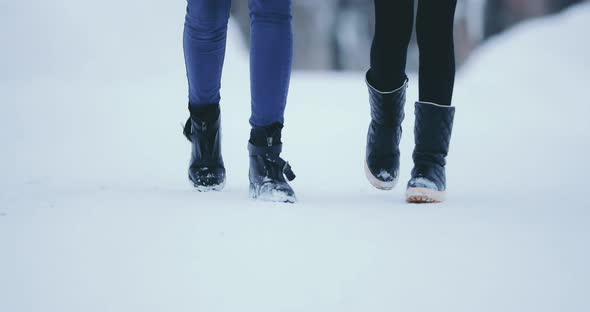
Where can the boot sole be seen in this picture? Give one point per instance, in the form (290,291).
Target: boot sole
(378,184)
(275,198)
(420,195)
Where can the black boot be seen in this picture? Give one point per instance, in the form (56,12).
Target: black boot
(206,170)
(434,124)
(267,168)
(387,114)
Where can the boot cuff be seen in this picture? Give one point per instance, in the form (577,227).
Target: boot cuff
(367,81)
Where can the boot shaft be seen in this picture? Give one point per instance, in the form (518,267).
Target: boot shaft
(387,107)
(266,136)
(432,133)
(204,132)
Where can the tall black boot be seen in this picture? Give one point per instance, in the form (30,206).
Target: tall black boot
(434,124)
(268,171)
(203,129)
(385,130)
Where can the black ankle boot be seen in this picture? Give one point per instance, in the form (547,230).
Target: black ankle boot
(434,124)
(387,114)
(206,170)
(267,168)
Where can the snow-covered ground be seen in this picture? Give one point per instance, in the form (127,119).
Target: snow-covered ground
(96,213)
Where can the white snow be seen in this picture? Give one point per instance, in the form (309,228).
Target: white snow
(96,212)
(426,183)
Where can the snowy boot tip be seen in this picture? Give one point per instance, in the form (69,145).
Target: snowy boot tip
(208,188)
(378,182)
(211,188)
(421,195)
(273,195)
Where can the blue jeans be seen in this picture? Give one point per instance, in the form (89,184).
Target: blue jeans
(271,55)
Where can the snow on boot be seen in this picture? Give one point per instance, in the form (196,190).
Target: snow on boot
(434,124)
(267,169)
(206,170)
(383,138)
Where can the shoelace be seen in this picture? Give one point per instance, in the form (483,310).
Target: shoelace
(287,170)
(283,165)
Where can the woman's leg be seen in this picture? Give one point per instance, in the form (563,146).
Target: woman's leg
(205,33)
(434,28)
(386,82)
(434,113)
(271,56)
(204,49)
(393,30)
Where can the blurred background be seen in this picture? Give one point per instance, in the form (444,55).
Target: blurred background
(89,38)
(336,34)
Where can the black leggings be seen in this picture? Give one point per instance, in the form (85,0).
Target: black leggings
(434,29)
